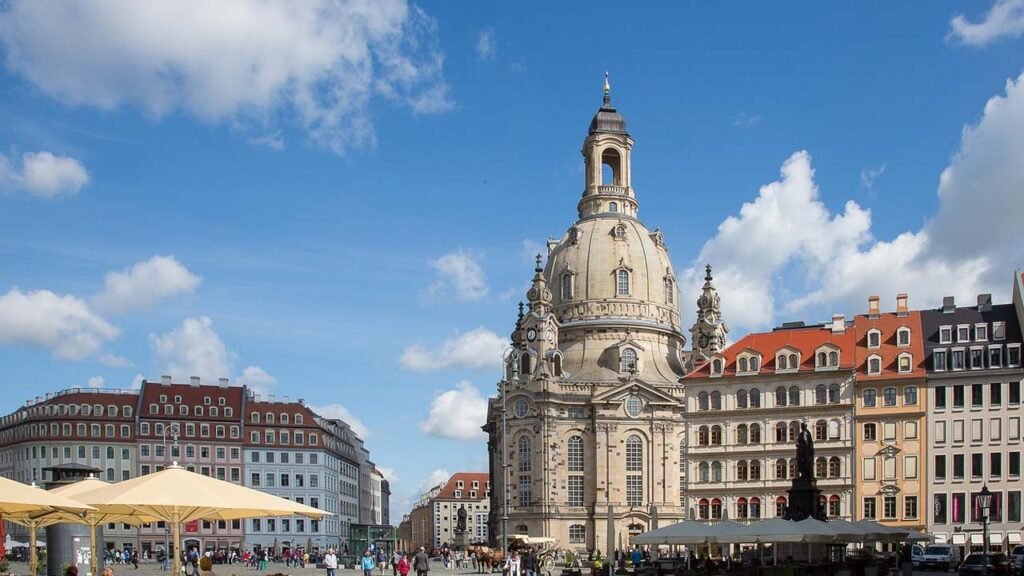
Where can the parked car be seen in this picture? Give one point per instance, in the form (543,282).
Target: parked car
(938,557)
(998,565)
(1017,557)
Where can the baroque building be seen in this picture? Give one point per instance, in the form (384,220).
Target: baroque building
(591,383)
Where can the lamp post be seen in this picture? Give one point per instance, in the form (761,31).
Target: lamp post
(173,429)
(984,505)
(513,372)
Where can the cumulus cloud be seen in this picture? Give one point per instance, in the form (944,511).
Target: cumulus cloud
(143,284)
(319,64)
(137,381)
(458,414)
(388,474)
(812,261)
(63,323)
(1004,20)
(486,45)
(436,476)
(461,274)
(340,412)
(43,175)
(193,349)
(96,382)
(477,349)
(256,378)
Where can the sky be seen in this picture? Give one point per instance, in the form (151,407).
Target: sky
(340,201)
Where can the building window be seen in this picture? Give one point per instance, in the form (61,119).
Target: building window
(910,507)
(716,509)
(780,506)
(903,336)
(755,398)
(622,282)
(910,395)
(670,291)
(957,357)
(820,394)
(716,435)
(634,454)
(577,534)
(634,490)
(874,365)
(525,454)
(820,431)
(977,395)
(525,491)
(716,400)
(755,433)
(869,397)
(627,361)
(634,405)
(963,333)
(869,508)
(794,396)
(995,356)
(981,332)
(939,360)
(889,507)
(905,362)
(977,358)
(874,339)
(613,207)
(575,491)
(567,287)
(870,431)
(889,397)
(703,401)
(575,454)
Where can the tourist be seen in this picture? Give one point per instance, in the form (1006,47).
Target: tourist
(421,562)
(402,565)
(382,560)
(514,565)
(530,563)
(331,562)
(394,562)
(368,563)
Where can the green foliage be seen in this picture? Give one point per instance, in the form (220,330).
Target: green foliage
(5,566)
(40,562)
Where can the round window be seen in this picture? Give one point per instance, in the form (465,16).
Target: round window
(521,408)
(634,405)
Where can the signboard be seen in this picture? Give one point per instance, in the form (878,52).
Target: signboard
(192,527)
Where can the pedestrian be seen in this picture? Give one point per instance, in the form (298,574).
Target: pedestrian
(403,565)
(382,560)
(530,563)
(368,564)
(331,562)
(421,562)
(515,565)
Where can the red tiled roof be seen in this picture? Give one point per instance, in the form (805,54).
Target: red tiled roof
(467,478)
(887,324)
(805,340)
(190,396)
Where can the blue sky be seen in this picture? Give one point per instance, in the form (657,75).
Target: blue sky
(339,202)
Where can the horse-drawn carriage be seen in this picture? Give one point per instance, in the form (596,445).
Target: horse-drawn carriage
(489,559)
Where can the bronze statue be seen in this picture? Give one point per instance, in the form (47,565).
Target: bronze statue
(460,524)
(805,453)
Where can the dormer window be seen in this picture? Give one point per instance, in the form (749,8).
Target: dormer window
(981,332)
(874,365)
(622,282)
(670,291)
(826,358)
(903,336)
(905,362)
(787,361)
(567,286)
(945,334)
(874,338)
(619,232)
(742,363)
(748,364)
(716,367)
(627,361)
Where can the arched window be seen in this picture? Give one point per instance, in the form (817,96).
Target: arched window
(613,207)
(834,506)
(743,364)
(780,506)
(716,471)
(634,454)
(755,363)
(792,467)
(820,394)
(794,430)
(755,398)
(741,470)
(702,508)
(556,364)
(755,433)
(716,366)
(820,431)
(755,469)
(833,429)
(716,509)
(682,456)
(703,472)
(794,396)
(834,467)
(780,362)
(820,467)
(566,286)
(575,454)
(741,507)
(622,282)
(741,398)
(716,400)
(833,358)
(702,436)
(822,359)
(780,432)
(741,434)
(702,401)
(670,291)
(525,454)
(780,396)
(781,467)
(577,534)
(524,363)
(833,393)
(110,474)
(716,435)
(627,360)
(755,507)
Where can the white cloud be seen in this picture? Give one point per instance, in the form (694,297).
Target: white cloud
(1004,19)
(256,378)
(477,349)
(137,382)
(43,175)
(486,45)
(459,271)
(193,349)
(744,120)
(437,476)
(273,141)
(64,324)
(868,177)
(318,64)
(114,361)
(389,474)
(337,411)
(96,382)
(141,285)
(457,414)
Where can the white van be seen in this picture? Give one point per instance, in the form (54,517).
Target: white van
(939,557)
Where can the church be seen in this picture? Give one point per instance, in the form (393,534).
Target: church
(588,422)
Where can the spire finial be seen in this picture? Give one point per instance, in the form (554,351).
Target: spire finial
(607,89)
(707,270)
(538,269)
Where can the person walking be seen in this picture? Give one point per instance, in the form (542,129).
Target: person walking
(530,563)
(403,565)
(421,562)
(331,562)
(515,565)
(394,562)
(382,560)
(368,564)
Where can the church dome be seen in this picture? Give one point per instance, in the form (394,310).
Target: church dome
(608,119)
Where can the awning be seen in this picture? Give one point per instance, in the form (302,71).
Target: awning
(959,538)
(1013,537)
(977,539)
(995,538)
(940,538)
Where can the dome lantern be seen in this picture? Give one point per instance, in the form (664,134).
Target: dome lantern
(606,153)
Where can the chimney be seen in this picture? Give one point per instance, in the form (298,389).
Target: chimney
(901,305)
(948,304)
(874,311)
(838,324)
(165,380)
(984,302)
(301,401)
(223,382)
(194,381)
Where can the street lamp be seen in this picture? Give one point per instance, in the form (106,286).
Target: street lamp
(508,354)
(984,505)
(173,429)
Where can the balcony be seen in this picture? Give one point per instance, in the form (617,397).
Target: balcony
(613,190)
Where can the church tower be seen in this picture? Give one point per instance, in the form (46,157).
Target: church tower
(709,332)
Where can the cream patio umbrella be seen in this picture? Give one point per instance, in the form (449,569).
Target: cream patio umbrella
(176,496)
(35,508)
(94,518)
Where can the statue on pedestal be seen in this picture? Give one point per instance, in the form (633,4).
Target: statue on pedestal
(460,523)
(804,453)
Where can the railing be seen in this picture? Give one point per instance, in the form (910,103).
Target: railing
(616,190)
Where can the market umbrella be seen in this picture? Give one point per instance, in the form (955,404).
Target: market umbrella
(685,532)
(881,532)
(35,508)
(175,495)
(94,518)
(916,536)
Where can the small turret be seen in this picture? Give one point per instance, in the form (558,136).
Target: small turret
(709,332)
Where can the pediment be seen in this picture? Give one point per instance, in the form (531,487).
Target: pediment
(650,394)
(748,351)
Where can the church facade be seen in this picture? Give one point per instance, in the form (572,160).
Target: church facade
(591,396)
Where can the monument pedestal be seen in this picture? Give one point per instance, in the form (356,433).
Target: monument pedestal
(804,500)
(460,541)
